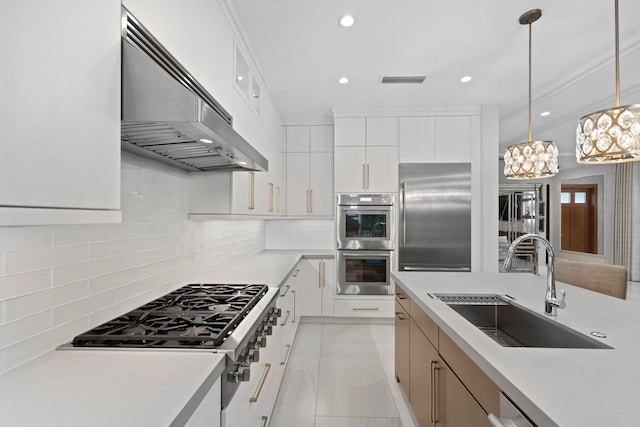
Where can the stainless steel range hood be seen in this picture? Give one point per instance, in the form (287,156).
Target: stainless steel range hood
(167,115)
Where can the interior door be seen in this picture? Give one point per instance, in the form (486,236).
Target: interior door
(579,218)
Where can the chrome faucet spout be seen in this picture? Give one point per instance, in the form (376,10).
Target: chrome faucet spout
(551,301)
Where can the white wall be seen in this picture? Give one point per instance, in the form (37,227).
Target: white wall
(58,281)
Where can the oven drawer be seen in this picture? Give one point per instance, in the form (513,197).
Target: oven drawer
(364,307)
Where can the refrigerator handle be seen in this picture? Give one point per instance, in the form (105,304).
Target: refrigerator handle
(403,190)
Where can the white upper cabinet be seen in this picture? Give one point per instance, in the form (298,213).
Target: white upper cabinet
(382,169)
(416,140)
(309,164)
(350,131)
(366,154)
(453,139)
(215,52)
(382,131)
(60,112)
(440,139)
(350,169)
(297,139)
(321,139)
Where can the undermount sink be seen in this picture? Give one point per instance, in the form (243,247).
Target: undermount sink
(511,325)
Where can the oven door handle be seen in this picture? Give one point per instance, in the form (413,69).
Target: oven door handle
(368,255)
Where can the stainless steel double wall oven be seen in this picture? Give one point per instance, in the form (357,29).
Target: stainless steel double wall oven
(365,242)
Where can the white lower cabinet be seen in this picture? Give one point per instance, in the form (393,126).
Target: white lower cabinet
(207,414)
(363,307)
(253,403)
(315,287)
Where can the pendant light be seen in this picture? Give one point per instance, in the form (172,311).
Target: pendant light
(612,135)
(531,159)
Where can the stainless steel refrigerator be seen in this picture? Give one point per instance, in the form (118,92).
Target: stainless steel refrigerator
(434,230)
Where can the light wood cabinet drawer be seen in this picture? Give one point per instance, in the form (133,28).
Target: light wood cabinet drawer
(364,308)
(424,322)
(403,299)
(477,382)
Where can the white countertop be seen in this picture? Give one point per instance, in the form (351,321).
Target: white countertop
(101,387)
(269,267)
(107,388)
(564,387)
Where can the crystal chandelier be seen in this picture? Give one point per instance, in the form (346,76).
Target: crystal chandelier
(612,135)
(531,159)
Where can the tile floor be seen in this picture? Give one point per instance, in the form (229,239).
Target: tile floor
(341,375)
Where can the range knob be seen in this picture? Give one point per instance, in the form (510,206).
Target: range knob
(266,327)
(242,373)
(262,340)
(276,311)
(273,319)
(249,356)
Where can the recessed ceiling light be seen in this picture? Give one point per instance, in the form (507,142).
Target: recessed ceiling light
(343,80)
(466,79)
(544,114)
(242,163)
(206,141)
(347,21)
(239,78)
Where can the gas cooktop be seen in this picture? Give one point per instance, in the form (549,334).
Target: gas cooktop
(195,316)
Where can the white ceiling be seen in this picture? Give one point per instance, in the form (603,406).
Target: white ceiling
(302,51)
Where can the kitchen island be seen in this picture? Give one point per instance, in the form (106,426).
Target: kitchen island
(553,386)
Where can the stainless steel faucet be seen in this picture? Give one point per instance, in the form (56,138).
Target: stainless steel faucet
(551,301)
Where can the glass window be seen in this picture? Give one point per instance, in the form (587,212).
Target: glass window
(565,198)
(580,197)
(242,73)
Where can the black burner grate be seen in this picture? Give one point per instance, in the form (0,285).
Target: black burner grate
(194,316)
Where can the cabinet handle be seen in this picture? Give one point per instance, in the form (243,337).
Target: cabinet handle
(365,309)
(286,356)
(434,392)
(311,201)
(364,176)
(264,421)
(294,307)
(278,199)
(367,186)
(295,273)
(324,274)
(284,322)
(495,421)
(252,190)
(400,295)
(320,274)
(285,292)
(270,197)
(267,368)
(308,207)
(400,316)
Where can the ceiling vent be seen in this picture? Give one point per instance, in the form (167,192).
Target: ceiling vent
(402,79)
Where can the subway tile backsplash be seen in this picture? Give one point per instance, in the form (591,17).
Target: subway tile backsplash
(58,281)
